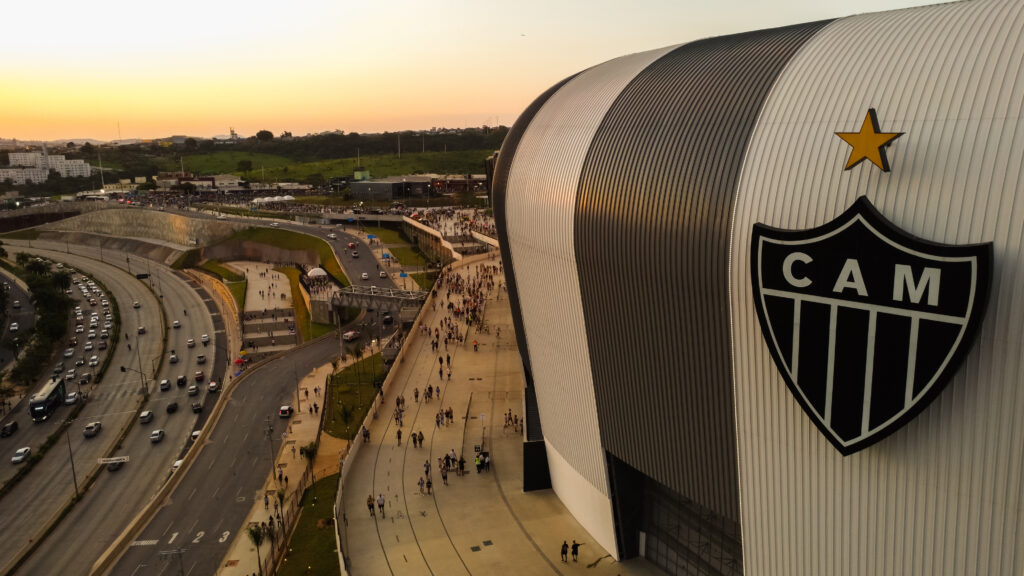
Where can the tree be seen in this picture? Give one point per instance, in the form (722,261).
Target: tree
(244,166)
(191,144)
(70,145)
(255,532)
(88,148)
(264,135)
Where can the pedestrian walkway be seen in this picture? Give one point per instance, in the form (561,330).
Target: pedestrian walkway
(479,522)
(268,319)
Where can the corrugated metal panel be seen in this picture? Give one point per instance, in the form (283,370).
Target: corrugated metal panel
(652,239)
(540,203)
(943,494)
(499,197)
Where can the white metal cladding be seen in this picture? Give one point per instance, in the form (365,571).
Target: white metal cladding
(540,204)
(943,494)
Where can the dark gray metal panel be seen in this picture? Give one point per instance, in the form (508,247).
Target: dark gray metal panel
(499,195)
(652,238)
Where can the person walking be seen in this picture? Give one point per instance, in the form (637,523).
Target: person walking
(429,486)
(575,550)
(380,504)
(369,504)
(266,502)
(420,484)
(565,551)
(444,475)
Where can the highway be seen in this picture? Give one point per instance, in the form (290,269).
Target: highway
(117,496)
(25,316)
(210,504)
(36,499)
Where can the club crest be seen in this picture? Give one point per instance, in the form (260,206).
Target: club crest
(865,322)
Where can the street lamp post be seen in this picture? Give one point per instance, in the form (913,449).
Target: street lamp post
(270,439)
(142,377)
(71,457)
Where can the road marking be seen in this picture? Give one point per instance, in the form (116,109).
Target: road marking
(192,493)
(173,537)
(144,543)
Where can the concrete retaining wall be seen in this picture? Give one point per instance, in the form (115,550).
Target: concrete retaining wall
(138,222)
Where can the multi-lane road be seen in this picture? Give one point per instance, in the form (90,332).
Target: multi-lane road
(209,505)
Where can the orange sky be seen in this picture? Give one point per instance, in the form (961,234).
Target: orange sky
(119,68)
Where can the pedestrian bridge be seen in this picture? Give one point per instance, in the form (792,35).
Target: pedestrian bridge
(391,299)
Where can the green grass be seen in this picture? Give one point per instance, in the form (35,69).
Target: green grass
(29,234)
(312,549)
(408,256)
(324,201)
(226,274)
(238,292)
(298,304)
(424,279)
(279,168)
(352,392)
(386,235)
(295,241)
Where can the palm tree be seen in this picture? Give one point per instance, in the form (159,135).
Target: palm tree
(255,532)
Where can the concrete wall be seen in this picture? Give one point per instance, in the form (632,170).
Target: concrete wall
(154,224)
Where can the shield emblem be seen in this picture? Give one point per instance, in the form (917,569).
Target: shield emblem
(866,322)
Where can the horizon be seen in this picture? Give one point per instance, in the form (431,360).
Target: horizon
(318,66)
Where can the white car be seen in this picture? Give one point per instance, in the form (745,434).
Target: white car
(94,361)
(69,352)
(136,304)
(274,224)
(71,398)
(14,327)
(365,276)
(176,324)
(204,338)
(191,343)
(332,236)
(383,274)
(350,336)
(21,455)
(88,346)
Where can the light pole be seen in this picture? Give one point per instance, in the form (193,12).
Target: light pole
(270,438)
(142,376)
(71,456)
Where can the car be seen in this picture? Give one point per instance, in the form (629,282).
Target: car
(74,341)
(94,361)
(146,416)
(142,329)
(85,379)
(285,411)
(191,343)
(174,358)
(70,374)
(350,335)
(69,352)
(214,386)
(201,359)
(181,380)
(205,339)
(176,324)
(80,361)
(16,304)
(275,224)
(197,407)
(115,466)
(104,335)
(58,369)
(193,390)
(21,455)
(355,254)
(177,464)
(102,345)
(14,327)
(91,335)
(165,384)
(365,276)
(71,398)
(8,429)
(221,217)
(92,429)
(332,236)
(136,305)
(351,244)
(382,274)
(387,319)
(199,375)
(88,347)
(156,436)
(195,435)
(79,329)
(107,325)
(172,407)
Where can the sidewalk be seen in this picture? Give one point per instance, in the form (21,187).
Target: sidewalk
(480,522)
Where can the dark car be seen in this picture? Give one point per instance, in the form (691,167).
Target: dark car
(387,319)
(182,380)
(197,407)
(172,407)
(115,465)
(9,428)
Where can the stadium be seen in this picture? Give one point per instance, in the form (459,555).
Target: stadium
(767,289)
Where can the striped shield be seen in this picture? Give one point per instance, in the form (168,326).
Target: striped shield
(865,322)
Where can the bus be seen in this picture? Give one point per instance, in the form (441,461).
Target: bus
(44,402)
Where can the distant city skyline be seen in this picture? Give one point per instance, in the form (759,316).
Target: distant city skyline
(114,69)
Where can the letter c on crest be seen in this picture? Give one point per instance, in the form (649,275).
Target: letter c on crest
(787,269)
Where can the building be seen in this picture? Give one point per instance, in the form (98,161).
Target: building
(41,160)
(392,188)
(749,278)
(24,175)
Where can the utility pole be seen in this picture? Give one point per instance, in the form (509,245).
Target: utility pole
(270,438)
(71,457)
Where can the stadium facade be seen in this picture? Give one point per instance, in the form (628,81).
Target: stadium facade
(768,290)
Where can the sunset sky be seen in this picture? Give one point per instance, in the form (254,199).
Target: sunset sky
(117,68)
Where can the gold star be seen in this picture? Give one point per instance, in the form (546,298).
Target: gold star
(869,143)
